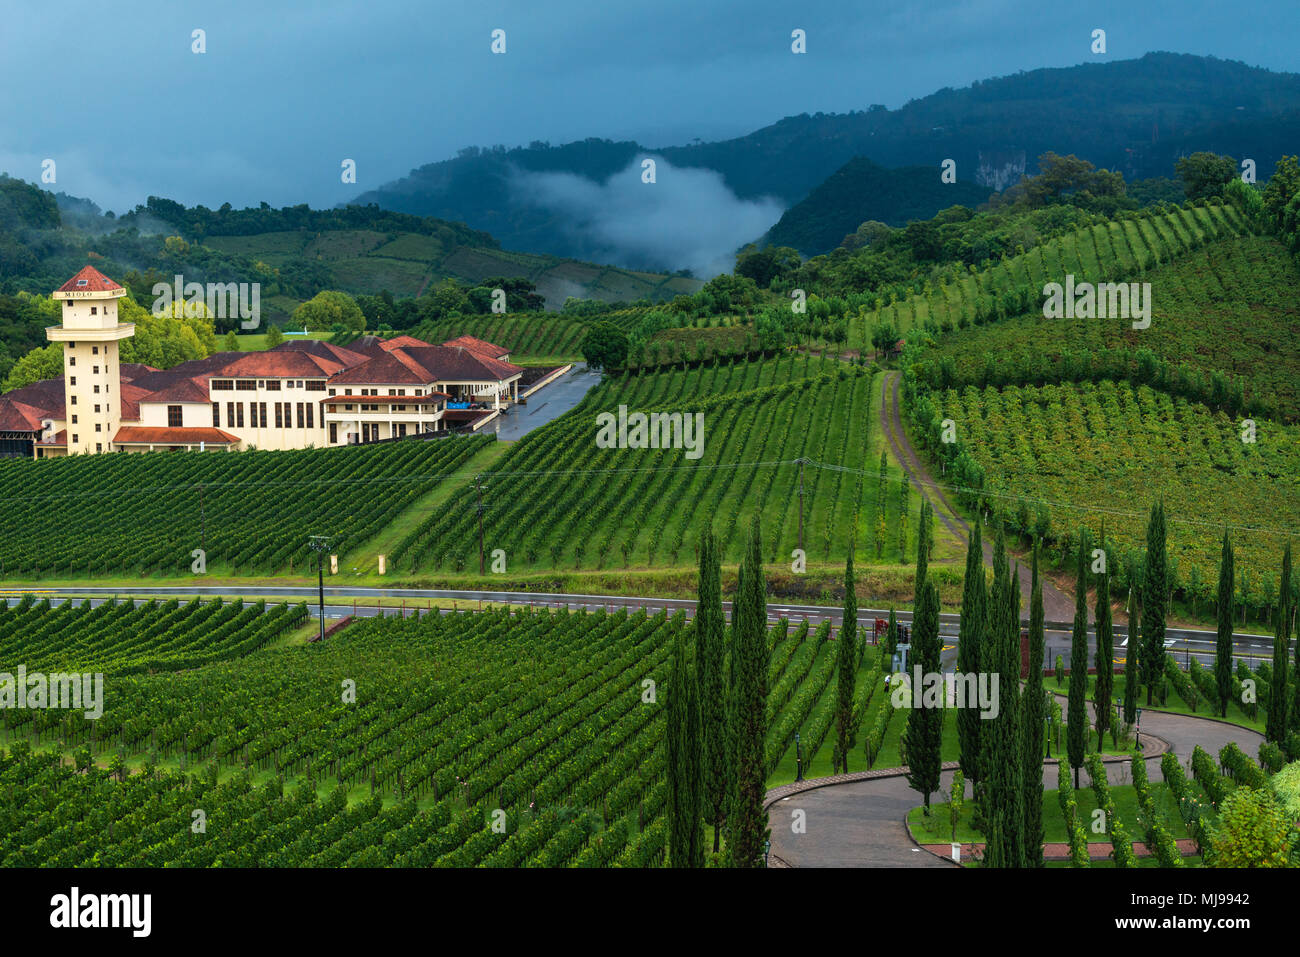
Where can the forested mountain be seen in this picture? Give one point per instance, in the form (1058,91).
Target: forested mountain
(861,190)
(1134,116)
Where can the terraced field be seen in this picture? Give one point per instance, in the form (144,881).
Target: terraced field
(1229,307)
(1120,250)
(1089,452)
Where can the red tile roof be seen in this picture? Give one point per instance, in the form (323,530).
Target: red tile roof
(138,435)
(280,364)
(391,368)
(89,279)
(397,342)
(325,350)
(479,346)
(133,370)
(45,396)
(18,416)
(182,390)
(131,397)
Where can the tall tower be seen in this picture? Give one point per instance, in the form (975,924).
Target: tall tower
(92,385)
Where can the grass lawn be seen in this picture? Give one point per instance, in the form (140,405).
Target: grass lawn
(257,342)
(937,829)
(1173,703)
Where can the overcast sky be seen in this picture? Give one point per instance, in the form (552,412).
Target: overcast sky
(288,89)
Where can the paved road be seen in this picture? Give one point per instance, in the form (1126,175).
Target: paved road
(860,824)
(1186,643)
(547,404)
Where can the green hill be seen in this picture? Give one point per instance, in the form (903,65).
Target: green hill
(1056,423)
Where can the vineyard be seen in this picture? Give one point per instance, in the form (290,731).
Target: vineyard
(124,638)
(1228,308)
(556,500)
(545,335)
(1112,447)
(250,512)
(1122,250)
(546,717)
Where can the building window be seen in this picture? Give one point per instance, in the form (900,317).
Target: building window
(245,385)
(347,391)
(272,385)
(310,414)
(347,408)
(74,419)
(96,408)
(216,415)
(300,416)
(72,380)
(221,385)
(230,415)
(314,385)
(72,360)
(94,370)
(261,384)
(94,310)
(401,430)
(174,418)
(94,350)
(331,391)
(99,446)
(334,433)
(96,390)
(99,427)
(279,417)
(75,439)
(74,400)
(261,413)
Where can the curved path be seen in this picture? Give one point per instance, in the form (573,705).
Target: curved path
(1057,604)
(860,823)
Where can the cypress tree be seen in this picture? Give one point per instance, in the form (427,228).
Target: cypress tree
(1155,597)
(1278,700)
(1076,729)
(710,655)
(685,834)
(846,668)
(922,553)
(922,736)
(970,643)
(1003,813)
(1223,641)
(1105,652)
(748,826)
(1034,709)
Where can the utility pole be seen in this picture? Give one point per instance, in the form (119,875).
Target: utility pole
(320,544)
(801,461)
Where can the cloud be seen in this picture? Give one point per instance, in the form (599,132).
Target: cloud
(686,219)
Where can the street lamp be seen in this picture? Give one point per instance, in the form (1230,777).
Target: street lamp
(798,758)
(767,847)
(1138,734)
(1048,719)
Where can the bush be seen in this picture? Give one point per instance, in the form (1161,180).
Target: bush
(1252,831)
(1208,776)
(1240,767)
